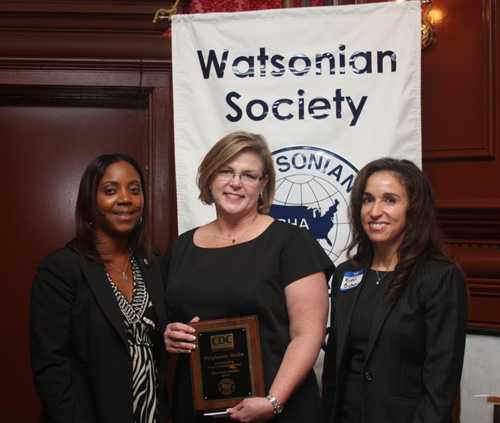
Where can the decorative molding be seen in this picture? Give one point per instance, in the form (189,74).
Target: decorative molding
(163,166)
(481,264)
(484,287)
(472,153)
(82,28)
(134,98)
(80,16)
(482,328)
(143,73)
(70,64)
(98,7)
(471,223)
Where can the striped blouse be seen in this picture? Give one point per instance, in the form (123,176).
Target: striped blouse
(140,320)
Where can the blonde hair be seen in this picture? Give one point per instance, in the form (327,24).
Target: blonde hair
(226,149)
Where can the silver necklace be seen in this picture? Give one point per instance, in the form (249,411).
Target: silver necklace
(123,272)
(380,278)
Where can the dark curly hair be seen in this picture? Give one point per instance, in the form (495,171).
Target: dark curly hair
(421,237)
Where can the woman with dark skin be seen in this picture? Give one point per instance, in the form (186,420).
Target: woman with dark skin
(399,307)
(97,310)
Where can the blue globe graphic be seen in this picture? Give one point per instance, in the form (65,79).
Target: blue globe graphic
(314,202)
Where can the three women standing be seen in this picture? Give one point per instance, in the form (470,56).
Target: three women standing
(399,307)
(98,311)
(398,316)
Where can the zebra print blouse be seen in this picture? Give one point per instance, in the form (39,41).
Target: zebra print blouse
(140,320)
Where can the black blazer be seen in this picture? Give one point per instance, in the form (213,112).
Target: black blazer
(415,349)
(80,358)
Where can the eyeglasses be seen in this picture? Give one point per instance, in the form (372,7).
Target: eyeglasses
(247,178)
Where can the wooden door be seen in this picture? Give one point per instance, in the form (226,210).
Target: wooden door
(77,78)
(48,136)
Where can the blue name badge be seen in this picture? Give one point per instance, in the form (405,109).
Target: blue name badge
(351,280)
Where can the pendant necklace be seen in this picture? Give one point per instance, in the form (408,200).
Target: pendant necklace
(234,238)
(379,277)
(123,272)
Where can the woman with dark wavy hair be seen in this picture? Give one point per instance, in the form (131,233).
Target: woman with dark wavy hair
(97,308)
(399,307)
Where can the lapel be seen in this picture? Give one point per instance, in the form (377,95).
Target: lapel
(105,297)
(344,306)
(154,285)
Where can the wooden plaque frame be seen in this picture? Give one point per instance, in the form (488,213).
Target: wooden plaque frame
(229,352)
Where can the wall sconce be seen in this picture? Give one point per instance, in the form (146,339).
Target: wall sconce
(428,33)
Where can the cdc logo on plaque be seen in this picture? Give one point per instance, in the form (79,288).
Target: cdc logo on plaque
(312,191)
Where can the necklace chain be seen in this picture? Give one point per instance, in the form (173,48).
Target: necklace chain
(234,238)
(380,278)
(122,272)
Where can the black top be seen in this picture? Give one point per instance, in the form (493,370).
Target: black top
(244,279)
(414,354)
(80,353)
(362,318)
(371,294)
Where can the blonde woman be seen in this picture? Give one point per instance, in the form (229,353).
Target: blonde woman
(242,263)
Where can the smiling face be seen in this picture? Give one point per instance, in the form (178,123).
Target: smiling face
(383,211)
(236,186)
(119,199)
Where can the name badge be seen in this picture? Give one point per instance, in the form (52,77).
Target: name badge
(351,280)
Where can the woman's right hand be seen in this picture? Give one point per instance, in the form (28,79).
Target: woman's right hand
(179,337)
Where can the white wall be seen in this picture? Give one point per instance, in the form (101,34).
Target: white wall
(481,375)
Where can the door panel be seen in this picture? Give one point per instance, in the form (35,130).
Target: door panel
(44,150)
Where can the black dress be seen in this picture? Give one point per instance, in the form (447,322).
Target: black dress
(244,279)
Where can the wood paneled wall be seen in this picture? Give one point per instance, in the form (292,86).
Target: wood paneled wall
(68,67)
(461,144)
(93,52)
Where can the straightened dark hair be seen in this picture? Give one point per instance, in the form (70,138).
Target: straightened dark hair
(86,209)
(422,237)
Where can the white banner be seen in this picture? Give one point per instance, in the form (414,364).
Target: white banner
(330,88)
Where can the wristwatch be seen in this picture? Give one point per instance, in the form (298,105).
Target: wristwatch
(277,406)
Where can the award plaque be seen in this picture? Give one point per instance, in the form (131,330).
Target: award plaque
(226,366)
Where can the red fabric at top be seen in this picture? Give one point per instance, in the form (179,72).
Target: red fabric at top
(208,6)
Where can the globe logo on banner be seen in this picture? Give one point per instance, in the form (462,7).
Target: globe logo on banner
(313,186)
